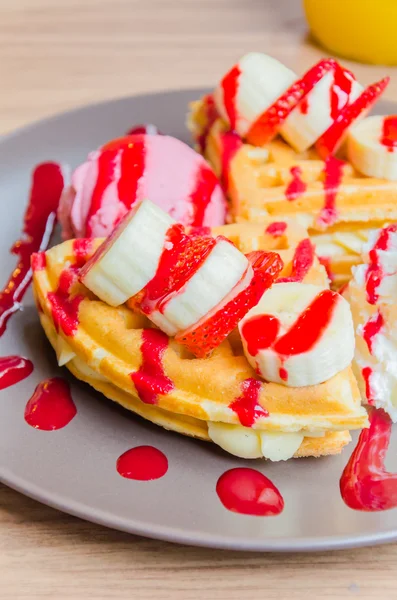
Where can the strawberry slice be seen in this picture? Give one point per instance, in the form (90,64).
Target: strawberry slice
(209,333)
(331,140)
(266,127)
(181,258)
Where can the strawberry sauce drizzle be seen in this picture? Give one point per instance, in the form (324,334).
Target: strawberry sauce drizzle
(340,89)
(301,262)
(14,369)
(248,492)
(39,223)
(276,229)
(247,406)
(65,305)
(211,115)
(230,145)
(229,86)
(142,463)
(296,186)
(365,484)
(261,332)
(366,373)
(205,184)
(372,328)
(150,379)
(389,133)
(51,407)
(132,168)
(374,274)
(333,173)
(304,106)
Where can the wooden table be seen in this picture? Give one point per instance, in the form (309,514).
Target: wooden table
(55,55)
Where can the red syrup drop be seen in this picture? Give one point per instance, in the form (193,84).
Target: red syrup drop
(372,328)
(14,369)
(301,262)
(304,106)
(147,129)
(150,379)
(51,407)
(389,133)
(142,463)
(333,173)
(39,223)
(205,184)
(366,373)
(211,115)
(230,145)
(276,229)
(247,406)
(296,186)
(248,492)
(375,273)
(230,84)
(365,484)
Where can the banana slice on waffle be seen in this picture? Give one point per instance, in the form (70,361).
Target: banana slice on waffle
(122,355)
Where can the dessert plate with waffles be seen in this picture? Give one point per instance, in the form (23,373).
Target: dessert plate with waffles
(197,315)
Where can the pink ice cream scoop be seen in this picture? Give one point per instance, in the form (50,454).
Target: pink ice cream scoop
(135,167)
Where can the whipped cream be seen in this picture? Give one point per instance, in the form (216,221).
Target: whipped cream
(372,294)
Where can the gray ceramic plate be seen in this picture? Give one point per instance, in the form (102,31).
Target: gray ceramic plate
(73,469)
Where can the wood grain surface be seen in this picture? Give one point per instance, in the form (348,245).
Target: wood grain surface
(58,54)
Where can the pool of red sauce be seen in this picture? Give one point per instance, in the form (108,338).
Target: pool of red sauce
(14,369)
(51,406)
(142,463)
(365,484)
(248,492)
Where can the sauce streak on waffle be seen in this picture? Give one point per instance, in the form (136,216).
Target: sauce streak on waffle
(247,406)
(365,484)
(14,369)
(51,407)
(150,380)
(249,492)
(296,186)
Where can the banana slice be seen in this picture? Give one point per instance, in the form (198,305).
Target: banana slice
(316,113)
(128,259)
(370,147)
(249,88)
(298,334)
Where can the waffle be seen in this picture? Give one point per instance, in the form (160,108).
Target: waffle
(106,350)
(258,180)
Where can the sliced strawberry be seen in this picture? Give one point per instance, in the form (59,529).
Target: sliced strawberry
(331,140)
(181,258)
(266,127)
(209,333)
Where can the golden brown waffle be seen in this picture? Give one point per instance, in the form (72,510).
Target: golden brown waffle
(258,180)
(106,350)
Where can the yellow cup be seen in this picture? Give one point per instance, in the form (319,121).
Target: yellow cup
(363,30)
